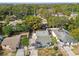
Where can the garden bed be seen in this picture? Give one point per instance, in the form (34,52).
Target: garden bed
(7,53)
(49,52)
(75,49)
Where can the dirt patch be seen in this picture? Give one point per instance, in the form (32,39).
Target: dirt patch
(49,52)
(75,49)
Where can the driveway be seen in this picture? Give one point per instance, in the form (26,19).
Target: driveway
(69,51)
(20,52)
(33,51)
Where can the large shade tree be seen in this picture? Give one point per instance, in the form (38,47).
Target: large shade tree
(33,21)
(56,21)
(21,28)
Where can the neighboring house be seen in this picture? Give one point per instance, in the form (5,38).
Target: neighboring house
(43,39)
(15,22)
(11,43)
(58,14)
(73,15)
(63,36)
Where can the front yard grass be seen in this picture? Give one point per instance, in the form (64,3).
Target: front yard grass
(24,41)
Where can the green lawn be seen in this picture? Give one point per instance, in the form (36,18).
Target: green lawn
(24,40)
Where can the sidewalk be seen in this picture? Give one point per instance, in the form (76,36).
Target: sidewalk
(69,51)
(20,52)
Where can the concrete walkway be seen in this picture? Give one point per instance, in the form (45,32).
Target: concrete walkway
(69,51)
(20,52)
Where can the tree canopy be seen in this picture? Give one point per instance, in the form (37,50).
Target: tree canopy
(75,33)
(33,21)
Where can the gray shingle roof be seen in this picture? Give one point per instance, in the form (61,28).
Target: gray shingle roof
(64,36)
(43,37)
(42,33)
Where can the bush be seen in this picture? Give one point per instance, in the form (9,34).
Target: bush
(54,41)
(7,30)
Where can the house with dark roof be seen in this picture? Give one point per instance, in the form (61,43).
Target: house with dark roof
(63,36)
(43,39)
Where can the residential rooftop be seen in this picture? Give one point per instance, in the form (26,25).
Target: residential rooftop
(12,42)
(63,35)
(43,38)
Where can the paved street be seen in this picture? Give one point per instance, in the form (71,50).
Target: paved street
(20,52)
